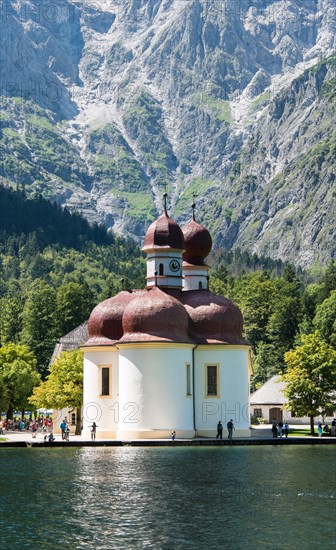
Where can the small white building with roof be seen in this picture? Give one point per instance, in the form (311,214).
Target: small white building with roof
(268,402)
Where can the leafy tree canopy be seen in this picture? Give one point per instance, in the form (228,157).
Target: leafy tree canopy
(325,319)
(64,384)
(311,377)
(18,376)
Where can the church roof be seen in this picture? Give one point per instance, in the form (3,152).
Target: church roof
(198,243)
(164,233)
(105,322)
(164,314)
(270,393)
(213,319)
(196,316)
(156,316)
(71,341)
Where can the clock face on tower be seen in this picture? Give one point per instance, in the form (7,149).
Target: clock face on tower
(174,265)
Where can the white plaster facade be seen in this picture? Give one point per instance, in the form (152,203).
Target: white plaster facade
(158,388)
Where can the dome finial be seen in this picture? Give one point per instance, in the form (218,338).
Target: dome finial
(165,203)
(193,206)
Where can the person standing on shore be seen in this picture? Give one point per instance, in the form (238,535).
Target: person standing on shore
(280,426)
(274,428)
(219,430)
(64,427)
(286,429)
(93,431)
(230,428)
(333,427)
(34,430)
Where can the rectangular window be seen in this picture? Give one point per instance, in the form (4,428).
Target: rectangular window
(257,413)
(105,381)
(188,373)
(212,380)
(73,419)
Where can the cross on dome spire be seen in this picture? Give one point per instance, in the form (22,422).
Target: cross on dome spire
(193,206)
(165,202)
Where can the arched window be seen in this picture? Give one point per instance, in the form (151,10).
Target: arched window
(161,269)
(200,286)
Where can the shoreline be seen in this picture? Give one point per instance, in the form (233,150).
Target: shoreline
(177,443)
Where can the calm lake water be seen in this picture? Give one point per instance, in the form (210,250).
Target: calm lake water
(234,498)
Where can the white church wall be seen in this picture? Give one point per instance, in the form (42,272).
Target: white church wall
(153,391)
(232,399)
(99,408)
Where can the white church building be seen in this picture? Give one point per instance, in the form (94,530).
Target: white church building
(171,356)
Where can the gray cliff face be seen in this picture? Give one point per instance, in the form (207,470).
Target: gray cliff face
(106,104)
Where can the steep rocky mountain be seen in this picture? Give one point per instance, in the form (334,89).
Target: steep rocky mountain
(105,104)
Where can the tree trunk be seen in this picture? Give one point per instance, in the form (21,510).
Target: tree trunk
(78,421)
(312,431)
(22,414)
(10,413)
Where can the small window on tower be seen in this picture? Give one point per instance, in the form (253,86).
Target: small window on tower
(105,381)
(188,373)
(161,269)
(200,286)
(212,380)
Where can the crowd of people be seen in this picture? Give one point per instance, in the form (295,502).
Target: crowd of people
(27,424)
(280,429)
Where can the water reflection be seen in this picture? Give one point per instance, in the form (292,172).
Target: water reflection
(232,498)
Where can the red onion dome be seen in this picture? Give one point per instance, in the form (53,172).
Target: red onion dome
(213,319)
(155,317)
(197,243)
(105,322)
(164,233)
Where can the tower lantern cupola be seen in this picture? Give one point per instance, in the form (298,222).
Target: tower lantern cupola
(164,246)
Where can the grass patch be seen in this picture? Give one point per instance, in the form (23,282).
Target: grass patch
(219,107)
(140,204)
(261,101)
(197,186)
(300,432)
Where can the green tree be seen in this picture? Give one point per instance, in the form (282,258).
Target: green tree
(11,319)
(283,323)
(74,304)
(254,293)
(325,319)
(311,377)
(63,386)
(313,295)
(330,278)
(18,375)
(221,282)
(39,322)
(267,361)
